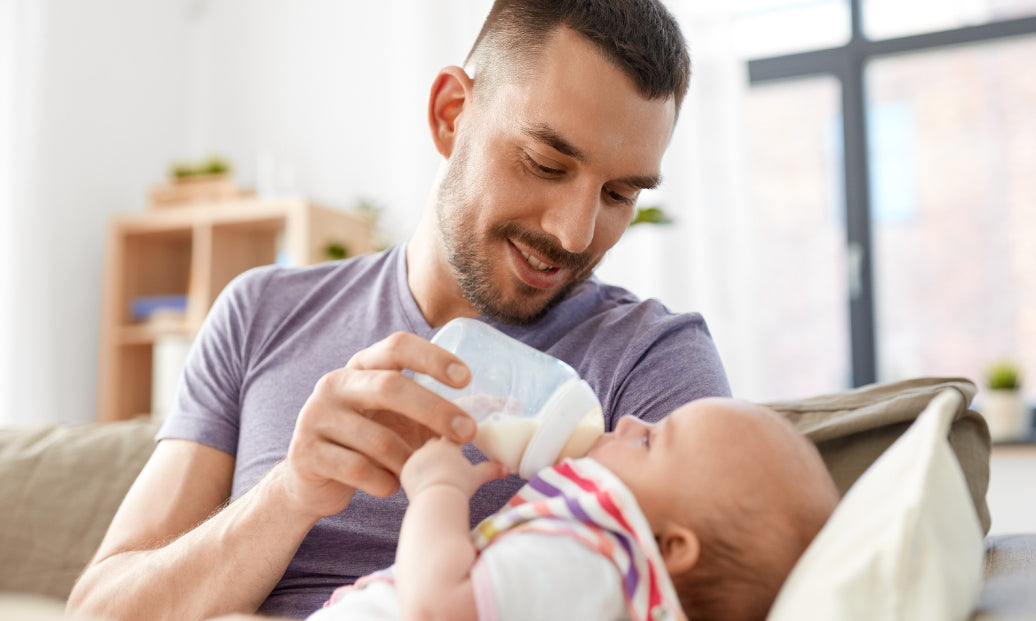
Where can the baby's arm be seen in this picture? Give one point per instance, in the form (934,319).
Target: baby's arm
(435,553)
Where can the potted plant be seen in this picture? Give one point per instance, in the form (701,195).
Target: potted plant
(1003,407)
(203,181)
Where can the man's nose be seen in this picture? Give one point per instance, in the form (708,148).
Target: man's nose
(572,218)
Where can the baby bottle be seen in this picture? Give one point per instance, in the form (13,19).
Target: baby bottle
(532,409)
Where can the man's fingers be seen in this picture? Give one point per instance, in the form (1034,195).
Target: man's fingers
(403,350)
(390,391)
(373,374)
(361,434)
(364,420)
(375,471)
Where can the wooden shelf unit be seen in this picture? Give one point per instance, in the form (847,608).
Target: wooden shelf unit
(195,251)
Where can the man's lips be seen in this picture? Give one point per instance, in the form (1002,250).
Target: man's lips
(533,271)
(535,262)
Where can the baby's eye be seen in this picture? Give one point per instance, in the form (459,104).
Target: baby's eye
(646,440)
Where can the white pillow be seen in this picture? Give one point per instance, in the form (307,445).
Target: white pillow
(903,544)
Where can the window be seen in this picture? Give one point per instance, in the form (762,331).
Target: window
(932,166)
(769,27)
(795,158)
(955,273)
(895,18)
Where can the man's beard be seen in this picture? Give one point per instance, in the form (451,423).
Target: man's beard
(468,254)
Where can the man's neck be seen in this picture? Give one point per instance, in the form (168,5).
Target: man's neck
(430,278)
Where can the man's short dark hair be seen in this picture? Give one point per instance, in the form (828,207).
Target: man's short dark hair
(640,37)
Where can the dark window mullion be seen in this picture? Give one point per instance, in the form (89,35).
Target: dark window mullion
(857,211)
(947,38)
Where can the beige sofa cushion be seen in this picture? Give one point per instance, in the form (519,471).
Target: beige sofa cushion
(22,607)
(904,543)
(59,488)
(852,428)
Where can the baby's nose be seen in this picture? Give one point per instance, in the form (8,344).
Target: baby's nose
(628,424)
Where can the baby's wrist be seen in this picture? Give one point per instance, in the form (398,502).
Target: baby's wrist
(437,486)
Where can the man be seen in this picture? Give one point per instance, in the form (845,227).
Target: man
(558,120)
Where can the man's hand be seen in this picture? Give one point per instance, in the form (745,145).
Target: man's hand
(441,462)
(363,421)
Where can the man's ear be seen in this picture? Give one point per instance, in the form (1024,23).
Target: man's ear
(680,548)
(450,92)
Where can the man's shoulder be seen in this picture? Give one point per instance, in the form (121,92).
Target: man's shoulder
(602,325)
(596,306)
(287,282)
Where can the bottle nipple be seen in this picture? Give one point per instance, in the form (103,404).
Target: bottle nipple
(589,429)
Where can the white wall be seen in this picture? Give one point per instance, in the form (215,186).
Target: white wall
(335,92)
(100,92)
(104,94)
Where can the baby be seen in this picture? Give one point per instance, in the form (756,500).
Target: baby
(702,515)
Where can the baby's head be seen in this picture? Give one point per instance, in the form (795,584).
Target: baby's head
(734,495)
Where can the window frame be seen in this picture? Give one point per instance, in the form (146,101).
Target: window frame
(847,64)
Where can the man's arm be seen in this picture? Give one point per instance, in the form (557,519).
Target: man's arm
(165,557)
(173,553)
(435,553)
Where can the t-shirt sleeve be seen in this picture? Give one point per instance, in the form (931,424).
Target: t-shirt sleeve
(524,576)
(205,408)
(665,361)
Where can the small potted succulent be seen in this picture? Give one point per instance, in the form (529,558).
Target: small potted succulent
(1003,406)
(204,181)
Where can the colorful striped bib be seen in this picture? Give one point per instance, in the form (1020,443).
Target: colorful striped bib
(582,499)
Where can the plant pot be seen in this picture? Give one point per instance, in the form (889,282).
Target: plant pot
(1007,415)
(195,189)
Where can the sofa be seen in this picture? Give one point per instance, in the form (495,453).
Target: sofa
(60,486)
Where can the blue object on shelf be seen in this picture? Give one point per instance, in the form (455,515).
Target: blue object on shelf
(143,307)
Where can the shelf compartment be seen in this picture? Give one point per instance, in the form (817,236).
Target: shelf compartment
(154,263)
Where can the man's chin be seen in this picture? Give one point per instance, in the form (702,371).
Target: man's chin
(524,308)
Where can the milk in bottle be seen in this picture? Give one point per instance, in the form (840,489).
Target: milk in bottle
(532,409)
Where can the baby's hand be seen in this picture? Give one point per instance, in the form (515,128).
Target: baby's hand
(440,461)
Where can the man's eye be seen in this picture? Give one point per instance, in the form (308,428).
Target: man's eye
(619,198)
(540,168)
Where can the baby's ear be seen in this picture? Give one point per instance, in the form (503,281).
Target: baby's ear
(679,546)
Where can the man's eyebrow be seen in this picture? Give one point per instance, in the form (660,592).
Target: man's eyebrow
(642,182)
(550,137)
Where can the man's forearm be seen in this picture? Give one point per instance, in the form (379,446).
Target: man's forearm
(229,563)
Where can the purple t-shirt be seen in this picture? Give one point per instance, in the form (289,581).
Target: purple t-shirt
(275,331)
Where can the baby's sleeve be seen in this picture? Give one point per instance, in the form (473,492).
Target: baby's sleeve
(524,576)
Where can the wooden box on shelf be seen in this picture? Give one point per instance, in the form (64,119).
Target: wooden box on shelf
(195,189)
(179,260)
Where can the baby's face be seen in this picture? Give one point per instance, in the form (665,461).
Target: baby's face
(708,452)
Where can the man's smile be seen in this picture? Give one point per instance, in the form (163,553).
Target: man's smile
(534,261)
(532,271)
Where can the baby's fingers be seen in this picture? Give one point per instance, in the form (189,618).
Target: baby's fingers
(487,471)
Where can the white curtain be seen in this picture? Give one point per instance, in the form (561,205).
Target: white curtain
(8,46)
(93,111)
(704,261)
(18,23)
